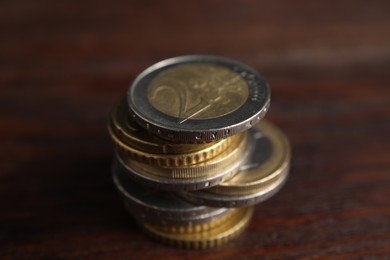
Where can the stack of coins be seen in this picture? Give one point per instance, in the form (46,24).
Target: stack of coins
(192,154)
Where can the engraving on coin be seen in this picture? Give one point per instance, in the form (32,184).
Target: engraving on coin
(197,92)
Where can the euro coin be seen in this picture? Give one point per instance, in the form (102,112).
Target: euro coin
(132,141)
(160,207)
(194,177)
(261,176)
(190,226)
(199,98)
(210,238)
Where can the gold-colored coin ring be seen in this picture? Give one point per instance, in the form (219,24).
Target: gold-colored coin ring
(133,142)
(213,237)
(220,163)
(272,171)
(189,228)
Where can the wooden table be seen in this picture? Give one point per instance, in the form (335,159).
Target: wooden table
(63,64)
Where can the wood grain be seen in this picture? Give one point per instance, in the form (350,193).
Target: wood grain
(63,64)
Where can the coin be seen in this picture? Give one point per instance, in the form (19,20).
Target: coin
(134,142)
(234,201)
(216,236)
(190,227)
(157,206)
(214,165)
(199,98)
(193,177)
(260,177)
(184,223)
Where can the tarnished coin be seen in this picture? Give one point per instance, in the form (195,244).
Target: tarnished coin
(193,177)
(133,142)
(194,99)
(160,207)
(261,176)
(220,234)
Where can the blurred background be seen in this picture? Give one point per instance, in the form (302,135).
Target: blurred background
(63,64)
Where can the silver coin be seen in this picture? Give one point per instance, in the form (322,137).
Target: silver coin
(199,98)
(160,207)
(260,177)
(163,220)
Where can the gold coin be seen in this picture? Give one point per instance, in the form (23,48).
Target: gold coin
(212,237)
(218,164)
(197,91)
(133,142)
(190,228)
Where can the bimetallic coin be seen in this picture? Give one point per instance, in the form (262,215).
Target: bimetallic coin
(123,127)
(210,238)
(133,142)
(160,206)
(234,201)
(193,177)
(194,99)
(261,176)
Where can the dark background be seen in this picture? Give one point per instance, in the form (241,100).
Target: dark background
(63,64)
